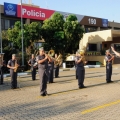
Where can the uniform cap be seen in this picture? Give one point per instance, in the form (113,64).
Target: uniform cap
(13,54)
(41,48)
(107,50)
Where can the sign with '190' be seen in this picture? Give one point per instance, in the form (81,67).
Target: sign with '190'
(92,21)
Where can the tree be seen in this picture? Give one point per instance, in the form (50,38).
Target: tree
(6,46)
(31,33)
(73,33)
(52,32)
(60,35)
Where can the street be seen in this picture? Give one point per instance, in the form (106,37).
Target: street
(100,100)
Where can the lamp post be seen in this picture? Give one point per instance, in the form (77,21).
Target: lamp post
(0,32)
(22,36)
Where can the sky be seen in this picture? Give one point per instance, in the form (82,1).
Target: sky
(108,9)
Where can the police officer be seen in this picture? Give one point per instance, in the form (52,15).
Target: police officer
(13,73)
(80,71)
(2,71)
(56,68)
(109,58)
(50,71)
(43,60)
(76,57)
(31,63)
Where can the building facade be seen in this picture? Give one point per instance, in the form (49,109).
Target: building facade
(10,13)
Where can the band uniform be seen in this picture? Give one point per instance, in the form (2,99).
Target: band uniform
(80,71)
(76,57)
(109,58)
(2,68)
(13,72)
(56,68)
(31,63)
(43,60)
(50,71)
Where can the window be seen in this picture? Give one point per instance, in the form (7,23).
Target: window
(2,24)
(92,47)
(117,47)
(116,28)
(90,29)
(7,24)
(105,46)
(38,44)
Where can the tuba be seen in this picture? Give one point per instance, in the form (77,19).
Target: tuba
(16,66)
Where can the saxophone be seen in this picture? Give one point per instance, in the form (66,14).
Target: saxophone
(83,56)
(16,66)
(58,60)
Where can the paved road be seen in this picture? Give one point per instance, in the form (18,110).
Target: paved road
(65,101)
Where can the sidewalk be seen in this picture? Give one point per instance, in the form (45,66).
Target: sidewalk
(115,66)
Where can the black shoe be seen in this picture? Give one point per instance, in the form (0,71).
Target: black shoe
(82,87)
(51,82)
(109,81)
(43,94)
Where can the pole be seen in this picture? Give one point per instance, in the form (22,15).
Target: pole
(0,33)
(22,36)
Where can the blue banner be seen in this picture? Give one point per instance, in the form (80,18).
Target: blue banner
(105,22)
(10,9)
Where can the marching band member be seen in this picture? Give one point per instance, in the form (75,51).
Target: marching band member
(76,57)
(56,66)
(1,72)
(109,58)
(50,70)
(80,70)
(13,65)
(43,60)
(31,63)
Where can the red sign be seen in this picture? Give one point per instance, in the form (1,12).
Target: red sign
(33,12)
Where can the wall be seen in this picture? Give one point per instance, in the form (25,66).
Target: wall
(115,40)
(96,58)
(95,37)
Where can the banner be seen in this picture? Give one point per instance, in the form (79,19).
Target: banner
(34,13)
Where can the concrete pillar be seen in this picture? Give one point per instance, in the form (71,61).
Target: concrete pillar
(27,21)
(83,27)
(98,46)
(98,29)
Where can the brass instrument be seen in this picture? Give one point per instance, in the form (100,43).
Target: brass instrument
(51,53)
(58,61)
(16,66)
(1,59)
(82,54)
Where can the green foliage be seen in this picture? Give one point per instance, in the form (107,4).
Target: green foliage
(71,18)
(73,33)
(31,33)
(5,41)
(50,32)
(62,35)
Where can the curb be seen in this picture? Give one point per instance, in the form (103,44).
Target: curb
(65,69)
